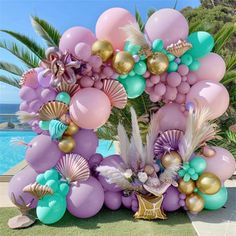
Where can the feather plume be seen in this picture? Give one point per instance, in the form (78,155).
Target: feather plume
(135,36)
(25,117)
(198,131)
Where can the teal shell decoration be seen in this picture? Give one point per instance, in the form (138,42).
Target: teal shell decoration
(56,129)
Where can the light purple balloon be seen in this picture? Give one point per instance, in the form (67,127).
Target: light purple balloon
(24,106)
(75,35)
(35,105)
(86,143)
(43,153)
(127,201)
(48,95)
(171,199)
(44,81)
(113,200)
(35,126)
(95,160)
(27,93)
(18,182)
(86,199)
(114,161)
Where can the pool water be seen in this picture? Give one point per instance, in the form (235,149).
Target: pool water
(11,155)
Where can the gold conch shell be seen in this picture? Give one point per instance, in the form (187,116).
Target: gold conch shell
(179,48)
(37,190)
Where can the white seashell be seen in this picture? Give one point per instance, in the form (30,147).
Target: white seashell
(179,48)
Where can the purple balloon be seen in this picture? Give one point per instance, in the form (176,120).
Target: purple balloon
(42,153)
(44,81)
(95,160)
(86,199)
(113,161)
(171,199)
(27,93)
(35,126)
(35,105)
(86,143)
(48,95)
(113,200)
(18,182)
(24,106)
(127,201)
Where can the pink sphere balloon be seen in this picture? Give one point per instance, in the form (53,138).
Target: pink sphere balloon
(90,108)
(221,164)
(113,200)
(109,26)
(170,116)
(212,67)
(211,94)
(75,35)
(86,199)
(167,24)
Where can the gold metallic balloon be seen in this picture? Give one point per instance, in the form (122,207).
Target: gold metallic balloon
(157,63)
(194,203)
(123,62)
(170,159)
(67,144)
(186,187)
(103,49)
(208,183)
(72,129)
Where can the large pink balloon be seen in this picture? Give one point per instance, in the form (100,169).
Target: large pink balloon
(211,94)
(212,67)
(86,199)
(90,108)
(109,26)
(170,116)
(167,24)
(221,164)
(75,35)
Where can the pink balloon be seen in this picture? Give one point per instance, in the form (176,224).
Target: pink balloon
(212,67)
(109,26)
(211,94)
(221,164)
(83,51)
(75,35)
(90,108)
(167,24)
(27,93)
(170,116)
(113,200)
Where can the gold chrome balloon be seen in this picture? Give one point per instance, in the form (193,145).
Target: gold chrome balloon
(186,187)
(157,63)
(123,62)
(103,49)
(72,129)
(170,159)
(194,203)
(67,144)
(208,183)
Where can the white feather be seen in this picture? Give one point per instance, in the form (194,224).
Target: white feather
(25,117)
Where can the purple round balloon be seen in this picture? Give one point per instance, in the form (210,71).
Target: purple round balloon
(171,199)
(48,95)
(42,153)
(44,81)
(127,201)
(27,94)
(18,182)
(86,199)
(95,160)
(113,200)
(86,143)
(35,105)
(24,106)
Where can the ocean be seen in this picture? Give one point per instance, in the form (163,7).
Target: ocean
(8,109)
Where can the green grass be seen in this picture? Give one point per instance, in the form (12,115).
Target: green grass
(106,223)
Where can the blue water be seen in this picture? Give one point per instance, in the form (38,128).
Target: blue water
(9,108)
(11,155)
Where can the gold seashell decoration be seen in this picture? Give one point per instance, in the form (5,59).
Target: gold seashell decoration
(179,48)
(37,190)
(71,89)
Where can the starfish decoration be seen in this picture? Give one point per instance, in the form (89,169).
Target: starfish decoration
(150,208)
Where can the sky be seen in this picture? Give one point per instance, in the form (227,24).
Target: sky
(63,14)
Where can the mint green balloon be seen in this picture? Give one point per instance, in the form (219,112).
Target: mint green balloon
(194,65)
(198,164)
(202,44)
(63,97)
(186,59)
(40,179)
(44,124)
(51,174)
(140,68)
(134,85)
(131,73)
(64,189)
(215,201)
(157,45)
(173,66)
(170,56)
(133,49)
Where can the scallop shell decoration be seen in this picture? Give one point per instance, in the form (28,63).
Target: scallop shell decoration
(167,141)
(116,93)
(73,168)
(179,48)
(52,110)
(71,89)
(27,76)
(37,190)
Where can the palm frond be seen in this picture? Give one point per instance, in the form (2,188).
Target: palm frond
(231,62)
(139,20)
(11,68)
(196,26)
(27,42)
(151,11)
(229,77)
(10,80)
(46,31)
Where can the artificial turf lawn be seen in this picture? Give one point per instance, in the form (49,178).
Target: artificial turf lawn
(105,223)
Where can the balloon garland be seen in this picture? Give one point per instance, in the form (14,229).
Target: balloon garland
(71,94)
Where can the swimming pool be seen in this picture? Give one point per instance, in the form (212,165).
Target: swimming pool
(11,155)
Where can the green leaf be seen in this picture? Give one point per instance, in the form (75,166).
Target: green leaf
(139,19)
(11,68)
(151,11)
(10,80)
(231,62)
(46,31)
(29,43)
(229,77)
(24,55)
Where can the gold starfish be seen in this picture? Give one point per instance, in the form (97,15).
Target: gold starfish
(150,208)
